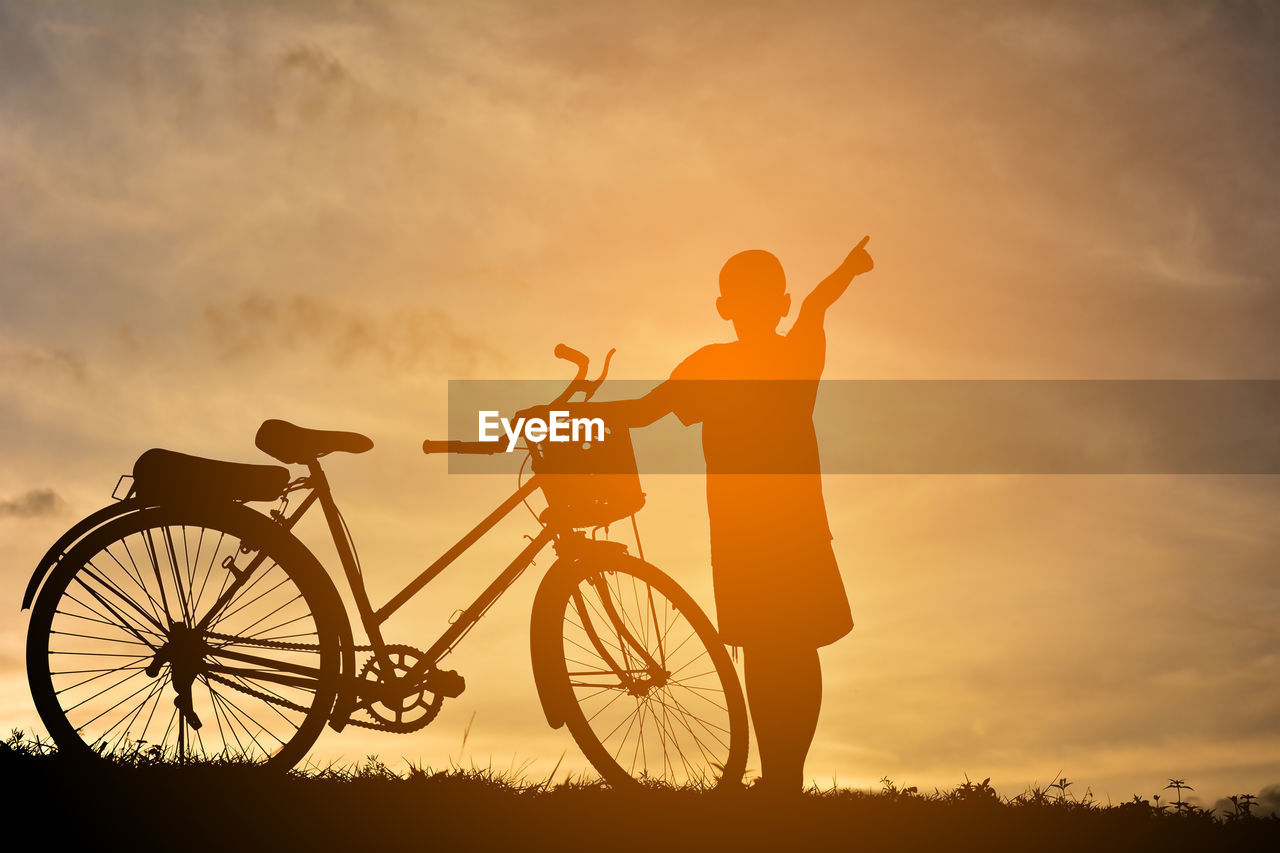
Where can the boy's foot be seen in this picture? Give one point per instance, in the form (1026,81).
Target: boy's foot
(763,790)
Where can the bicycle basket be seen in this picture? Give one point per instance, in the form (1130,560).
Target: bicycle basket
(589,483)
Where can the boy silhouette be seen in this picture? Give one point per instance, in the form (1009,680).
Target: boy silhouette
(777,586)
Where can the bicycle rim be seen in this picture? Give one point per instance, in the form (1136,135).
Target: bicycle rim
(119,671)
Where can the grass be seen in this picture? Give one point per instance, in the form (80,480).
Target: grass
(220,805)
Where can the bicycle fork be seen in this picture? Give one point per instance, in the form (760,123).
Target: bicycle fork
(656,672)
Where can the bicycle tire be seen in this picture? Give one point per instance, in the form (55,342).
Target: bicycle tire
(111,608)
(679,747)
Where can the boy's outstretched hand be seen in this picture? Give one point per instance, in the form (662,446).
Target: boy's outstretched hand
(831,288)
(859,260)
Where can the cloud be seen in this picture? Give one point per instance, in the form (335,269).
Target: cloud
(345,334)
(36,503)
(59,361)
(310,84)
(1269,800)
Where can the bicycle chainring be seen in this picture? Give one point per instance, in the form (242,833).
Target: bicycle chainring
(407,714)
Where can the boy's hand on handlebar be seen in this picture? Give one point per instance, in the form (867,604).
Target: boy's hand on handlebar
(541,411)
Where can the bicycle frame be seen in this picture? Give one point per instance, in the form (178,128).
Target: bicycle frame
(372,620)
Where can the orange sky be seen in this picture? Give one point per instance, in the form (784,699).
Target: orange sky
(211,215)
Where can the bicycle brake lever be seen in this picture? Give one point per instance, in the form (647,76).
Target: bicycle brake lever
(579,382)
(594,385)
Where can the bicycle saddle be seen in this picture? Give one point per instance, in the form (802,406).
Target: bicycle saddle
(160,476)
(296,445)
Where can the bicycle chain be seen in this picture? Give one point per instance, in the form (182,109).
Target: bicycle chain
(279,700)
(275,644)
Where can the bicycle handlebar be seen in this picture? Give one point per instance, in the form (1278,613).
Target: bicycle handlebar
(579,384)
(579,358)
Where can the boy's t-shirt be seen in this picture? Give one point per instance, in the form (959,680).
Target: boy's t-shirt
(775,573)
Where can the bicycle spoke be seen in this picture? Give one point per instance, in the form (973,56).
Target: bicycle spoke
(136,576)
(208,573)
(82,671)
(219,714)
(101,673)
(272,705)
(242,714)
(168,728)
(171,554)
(684,762)
(707,756)
(132,674)
(116,705)
(711,729)
(606,707)
(149,544)
(163,681)
(225,615)
(132,718)
(116,625)
(92,637)
(630,719)
(123,599)
(692,636)
(235,583)
(297,597)
(640,742)
(605,620)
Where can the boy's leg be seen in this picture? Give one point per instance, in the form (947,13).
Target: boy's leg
(784,688)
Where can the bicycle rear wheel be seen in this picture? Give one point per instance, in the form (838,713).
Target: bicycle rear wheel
(185,634)
(647,689)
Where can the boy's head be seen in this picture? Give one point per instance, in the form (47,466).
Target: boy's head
(753,292)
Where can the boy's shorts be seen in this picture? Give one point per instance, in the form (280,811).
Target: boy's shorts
(780,593)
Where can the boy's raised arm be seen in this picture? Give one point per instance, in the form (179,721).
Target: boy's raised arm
(831,288)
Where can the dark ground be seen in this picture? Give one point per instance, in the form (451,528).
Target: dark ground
(57,805)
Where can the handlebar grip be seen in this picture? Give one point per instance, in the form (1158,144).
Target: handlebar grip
(479,448)
(568,353)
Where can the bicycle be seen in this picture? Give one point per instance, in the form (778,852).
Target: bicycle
(182,589)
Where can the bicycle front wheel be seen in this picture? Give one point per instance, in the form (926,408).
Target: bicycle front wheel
(179,634)
(647,688)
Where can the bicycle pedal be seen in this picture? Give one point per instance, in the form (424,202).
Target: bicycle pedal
(446,683)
